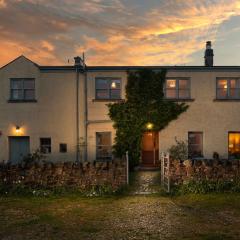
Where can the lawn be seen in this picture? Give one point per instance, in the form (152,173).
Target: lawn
(213,216)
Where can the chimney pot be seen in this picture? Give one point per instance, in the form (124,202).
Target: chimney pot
(209,54)
(78,61)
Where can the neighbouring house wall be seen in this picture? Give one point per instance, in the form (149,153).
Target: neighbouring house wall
(83,176)
(204,170)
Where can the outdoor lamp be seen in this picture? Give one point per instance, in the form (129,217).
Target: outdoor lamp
(17,129)
(149,126)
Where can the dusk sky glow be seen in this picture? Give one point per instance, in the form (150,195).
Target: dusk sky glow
(120,32)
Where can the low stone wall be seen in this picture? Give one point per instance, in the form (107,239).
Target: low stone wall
(203,170)
(81,175)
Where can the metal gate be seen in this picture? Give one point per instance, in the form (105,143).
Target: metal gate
(165,167)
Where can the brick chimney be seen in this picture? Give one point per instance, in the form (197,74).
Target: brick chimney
(209,55)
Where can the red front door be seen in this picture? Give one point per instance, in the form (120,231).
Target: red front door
(150,148)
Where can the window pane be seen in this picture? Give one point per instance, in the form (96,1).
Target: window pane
(29,84)
(16,94)
(171,83)
(184,93)
(62,147)
(45,145)
(233,83)
(183,84)
(16,84)
(234,93)
(115,94)
(102,83)
(195,144)
(29,94)
(171,93)
(115,84)
(103,147)
(102,94)
(103,138)
(234,145)
(222,93)
(222,84)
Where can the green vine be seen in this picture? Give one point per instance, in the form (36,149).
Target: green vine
(144,104)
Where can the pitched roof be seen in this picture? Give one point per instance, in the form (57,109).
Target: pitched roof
(21,56)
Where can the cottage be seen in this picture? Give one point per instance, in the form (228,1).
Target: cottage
(62,110)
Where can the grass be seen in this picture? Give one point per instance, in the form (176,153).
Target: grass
(200,217)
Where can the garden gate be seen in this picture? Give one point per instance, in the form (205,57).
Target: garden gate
(165,168)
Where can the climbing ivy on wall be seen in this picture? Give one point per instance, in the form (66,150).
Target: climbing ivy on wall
(144,104)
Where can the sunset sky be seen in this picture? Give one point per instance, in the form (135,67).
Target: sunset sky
(120,32)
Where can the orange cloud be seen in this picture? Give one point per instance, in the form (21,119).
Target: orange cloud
(3,4)
(110,33)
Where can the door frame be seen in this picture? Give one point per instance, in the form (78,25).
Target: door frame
(155,147)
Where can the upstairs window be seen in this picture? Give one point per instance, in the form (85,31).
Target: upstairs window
(177,88)
(103,145)
(195,144)
(45,145)
(228,88)
(108,88)
(22,89)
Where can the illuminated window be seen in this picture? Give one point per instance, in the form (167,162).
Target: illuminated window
(228,88)
(103,145)
(108,88)
(177,88)
(22,89)
(195,144)
(234,145)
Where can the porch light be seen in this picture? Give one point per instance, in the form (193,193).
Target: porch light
(149,126)
(18,129)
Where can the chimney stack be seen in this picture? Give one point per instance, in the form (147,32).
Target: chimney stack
(78,62)
(209,55)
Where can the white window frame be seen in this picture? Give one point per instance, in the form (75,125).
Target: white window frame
(22,89)
(177,79)
(228,79)
(110,80)
(109,147)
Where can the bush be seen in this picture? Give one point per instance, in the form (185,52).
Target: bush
(208,186)
(179,151)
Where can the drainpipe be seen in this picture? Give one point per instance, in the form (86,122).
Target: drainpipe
(85,110)
(77,113)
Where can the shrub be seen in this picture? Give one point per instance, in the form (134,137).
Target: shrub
(208,186)
(36,156)
(179,151)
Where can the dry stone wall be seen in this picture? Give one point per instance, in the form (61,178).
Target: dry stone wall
(204,170)
(81,175)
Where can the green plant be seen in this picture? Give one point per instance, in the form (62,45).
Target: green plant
(208,186)
(179,151)
(144,104)
(36,156)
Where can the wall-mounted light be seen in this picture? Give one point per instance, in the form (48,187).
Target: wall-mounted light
(149,126)
(18,129)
